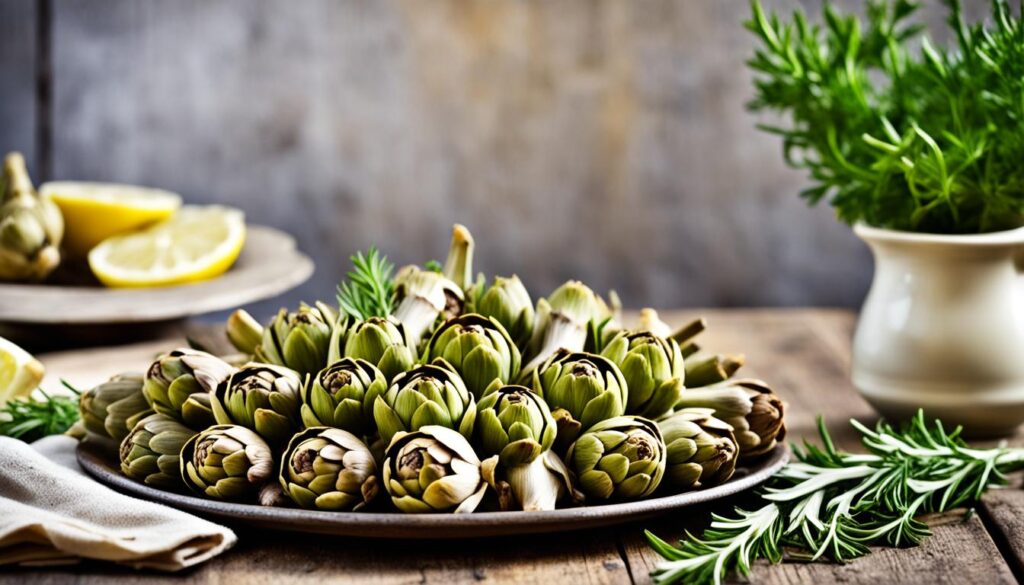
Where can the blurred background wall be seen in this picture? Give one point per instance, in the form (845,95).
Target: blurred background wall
(601,140)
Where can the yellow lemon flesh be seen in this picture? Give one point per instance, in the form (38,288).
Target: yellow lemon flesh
(20,373)
(198,243)
(94,212)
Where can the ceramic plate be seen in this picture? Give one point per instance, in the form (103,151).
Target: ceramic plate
(101,465)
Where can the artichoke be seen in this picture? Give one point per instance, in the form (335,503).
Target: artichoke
(702,449)
(433,469)
(431,394)
(515,424)
(622,457)
(749,406)
(582,389)
(299,340)
(328,469)
(31,226)
(652,368)
(508,302)
(111,409)
(178,384)
(342,396)
(380,341)
(479,349)
(260,397)
(244,332)
(424,298)
(562,321)
(151,451)
(226,462)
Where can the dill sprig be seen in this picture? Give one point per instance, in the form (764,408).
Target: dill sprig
(928,139)
(833,505)
(29,419)
(369,290)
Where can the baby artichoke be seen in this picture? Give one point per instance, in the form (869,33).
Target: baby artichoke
(702,449)
(178,385)
(151,451)
(582,389)
(479,349)
(433,469)
(299,340)
(562,321)
(111,409)
(653,369)
(622,457)
(328,469)
(226,462)
(342,396)
(260,397)
(508,302)
(380,341)
(31,227)
(749,406)
(515,424)
(431,394)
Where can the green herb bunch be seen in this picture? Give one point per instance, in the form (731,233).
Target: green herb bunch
(833,505)
(369,290)
(928,139)
(29,418)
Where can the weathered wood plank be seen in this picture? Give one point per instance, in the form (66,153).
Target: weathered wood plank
(18,20)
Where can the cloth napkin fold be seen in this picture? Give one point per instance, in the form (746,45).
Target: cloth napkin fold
(52,513)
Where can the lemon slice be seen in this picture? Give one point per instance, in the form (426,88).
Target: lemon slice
(20,373)
(198,243)
(94,212)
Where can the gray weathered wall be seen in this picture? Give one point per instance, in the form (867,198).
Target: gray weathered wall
(602,140)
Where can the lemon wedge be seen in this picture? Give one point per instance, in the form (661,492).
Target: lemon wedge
(20,373)
(94,212)
(198,243)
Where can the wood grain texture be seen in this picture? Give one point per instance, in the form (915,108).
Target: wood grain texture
(18,21)
(802,352)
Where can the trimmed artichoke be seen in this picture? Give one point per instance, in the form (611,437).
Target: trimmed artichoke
(328,469)
(151,451)
(424,298)
(342,396)
(244,332)
(622,457)
(507,301)
(178,384)
(111,409)
(380,341)
(515,424)
(299,340)
(479,349)
(750,406)
(31,226)
(582,389)
(562,321)
(653,369)
(702,449)
(226,462)
(433,469)
(431,394)
(260,397)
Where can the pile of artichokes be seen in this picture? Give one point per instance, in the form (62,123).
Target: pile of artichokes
(465,396)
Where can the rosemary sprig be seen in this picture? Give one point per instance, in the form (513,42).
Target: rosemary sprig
(369,290)
(29,419)
(833,505)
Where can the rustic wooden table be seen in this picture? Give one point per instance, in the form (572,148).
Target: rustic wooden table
(803,353)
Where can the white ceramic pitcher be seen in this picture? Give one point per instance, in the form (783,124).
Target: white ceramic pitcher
(943,329)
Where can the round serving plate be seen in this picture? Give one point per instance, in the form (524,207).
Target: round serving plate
(268,265)
(101,464)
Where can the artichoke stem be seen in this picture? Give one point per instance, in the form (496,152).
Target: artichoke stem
(689,349)
(534,486)
(417,315)
(690,330)
(18,182)
(244,332)
(712,369)
(562,332)
(458,267)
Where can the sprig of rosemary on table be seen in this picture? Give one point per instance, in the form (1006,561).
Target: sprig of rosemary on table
(833,505)
(29,419)
(369,290)
(928,140)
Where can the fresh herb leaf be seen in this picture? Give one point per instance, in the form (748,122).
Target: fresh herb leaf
(369,290)
(926,140)
(433,266)
(833,505)
(29,419)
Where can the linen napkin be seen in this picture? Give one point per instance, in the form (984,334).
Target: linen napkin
(52,513)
